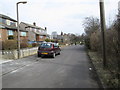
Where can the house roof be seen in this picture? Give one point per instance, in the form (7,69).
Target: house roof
(42,34)
(23,27)
(1,26)
(7,17)
(33,26)
(4,26)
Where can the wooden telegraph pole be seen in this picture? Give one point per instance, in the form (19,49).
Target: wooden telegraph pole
(103,29)
(118,30)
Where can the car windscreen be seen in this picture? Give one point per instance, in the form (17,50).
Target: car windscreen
(46,45)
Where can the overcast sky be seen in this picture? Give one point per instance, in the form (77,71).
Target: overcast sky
(58,15)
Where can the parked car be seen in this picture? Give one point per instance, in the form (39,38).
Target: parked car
(48,49)
(31,42)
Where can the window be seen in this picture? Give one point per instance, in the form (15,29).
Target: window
(8,22)
(23,34)
(0,20)
(41,36)
(0,36)
(56,45)
(10,32)
(35,30)
(46,45)
(10,37)
(4,21)
(13,23)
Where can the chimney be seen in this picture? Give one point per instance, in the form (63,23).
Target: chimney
(61,33)
(34,24)
(45,28)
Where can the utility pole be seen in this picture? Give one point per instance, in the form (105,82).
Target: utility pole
(118,25)
(103,29)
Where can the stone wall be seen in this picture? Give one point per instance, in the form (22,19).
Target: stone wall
(13,54)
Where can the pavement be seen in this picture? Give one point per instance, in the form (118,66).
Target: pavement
(71,69)
(12,65)
(4,61)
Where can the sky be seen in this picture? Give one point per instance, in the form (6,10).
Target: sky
(59,15)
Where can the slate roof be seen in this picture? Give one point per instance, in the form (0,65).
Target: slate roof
(25,25)
(7,17)
(5,26)
(33,26)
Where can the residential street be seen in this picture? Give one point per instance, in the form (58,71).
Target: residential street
(71,69)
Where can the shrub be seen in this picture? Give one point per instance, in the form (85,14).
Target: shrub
(95,42)
(23,45)
(111,42)
(47,40)
(52,40)
(11,37)
(29,45)
(87,42)
(9,44)
(34,44)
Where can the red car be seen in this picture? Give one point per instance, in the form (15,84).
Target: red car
(48,49)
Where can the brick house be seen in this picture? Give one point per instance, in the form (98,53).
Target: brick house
(23,34)
(35,33)
(8,29)
(28,32)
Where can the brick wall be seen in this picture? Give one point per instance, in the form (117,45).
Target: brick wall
(3,34)
(13,54)
(42,39)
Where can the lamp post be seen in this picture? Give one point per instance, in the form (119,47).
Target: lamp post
(18,34)
(103,28)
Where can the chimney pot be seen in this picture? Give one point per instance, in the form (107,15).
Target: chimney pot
(34,24)
(45,28)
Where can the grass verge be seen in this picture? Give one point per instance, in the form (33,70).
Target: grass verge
(108,79)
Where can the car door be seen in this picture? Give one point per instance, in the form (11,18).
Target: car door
(59,49)
(56,49)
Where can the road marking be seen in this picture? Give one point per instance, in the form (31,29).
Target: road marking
(17,69)
(14,71)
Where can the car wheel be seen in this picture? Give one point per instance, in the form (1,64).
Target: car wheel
(53,55)
(59,53)
(39,55)
(42,56)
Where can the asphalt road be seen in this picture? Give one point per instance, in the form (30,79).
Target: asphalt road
(71,69)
